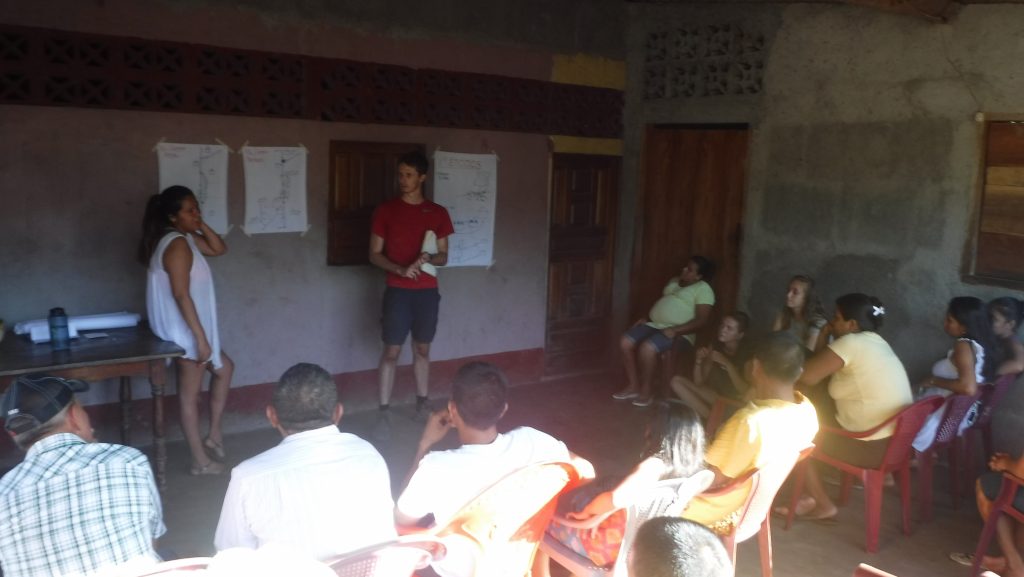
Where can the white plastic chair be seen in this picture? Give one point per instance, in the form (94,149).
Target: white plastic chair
(398,558)
(668,498)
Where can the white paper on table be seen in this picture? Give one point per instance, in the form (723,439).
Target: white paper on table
(429,247)
(38,330)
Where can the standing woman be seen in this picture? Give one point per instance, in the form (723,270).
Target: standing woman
(803,315)
(182,308)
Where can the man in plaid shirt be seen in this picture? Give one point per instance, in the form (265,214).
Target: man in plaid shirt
(73,506)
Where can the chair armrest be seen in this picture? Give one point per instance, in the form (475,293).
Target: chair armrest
(859,434)
(588,523)
(730,486)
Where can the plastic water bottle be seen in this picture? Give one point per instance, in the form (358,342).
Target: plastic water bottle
(59,329)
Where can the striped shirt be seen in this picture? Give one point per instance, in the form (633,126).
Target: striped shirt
(75,508)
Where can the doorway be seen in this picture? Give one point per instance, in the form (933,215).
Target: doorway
(584,196)
(693,180)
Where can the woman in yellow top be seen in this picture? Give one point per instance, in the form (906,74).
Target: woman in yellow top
(868,385)
(684,307)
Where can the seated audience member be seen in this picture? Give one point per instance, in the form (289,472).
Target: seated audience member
(1009,532)
(973,360)
(803,315)
(673,547)
(674,449)
(442,482)
(685,307)
(73,506)
(868,385)
(719,369)
(1006,314)
(320,491)
(777,424)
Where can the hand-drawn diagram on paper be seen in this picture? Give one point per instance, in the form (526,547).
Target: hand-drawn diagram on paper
(467,185)
(203,168)
(275,189)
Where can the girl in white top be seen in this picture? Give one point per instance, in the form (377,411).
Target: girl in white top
(972,360)
(803,315)
(182,308)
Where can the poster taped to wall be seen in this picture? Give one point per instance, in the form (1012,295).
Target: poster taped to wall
(275,189)
(467,185)
(203,168)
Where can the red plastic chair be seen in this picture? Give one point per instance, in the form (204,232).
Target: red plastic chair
(897,459)
(398,558)
(992,395)
(946,437)
(501,527)
(1002,505)
(755,518)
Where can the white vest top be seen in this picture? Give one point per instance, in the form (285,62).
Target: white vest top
(165,318)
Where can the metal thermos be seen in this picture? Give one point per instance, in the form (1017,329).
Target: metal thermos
(59,337)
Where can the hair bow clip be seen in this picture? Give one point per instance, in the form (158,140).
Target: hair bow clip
(878,311)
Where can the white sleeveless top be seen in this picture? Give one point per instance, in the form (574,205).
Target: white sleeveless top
(165,318)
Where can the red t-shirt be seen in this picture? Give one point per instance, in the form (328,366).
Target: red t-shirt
(402,226)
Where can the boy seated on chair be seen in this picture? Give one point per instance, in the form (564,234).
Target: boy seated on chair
(442,482)
(777,423)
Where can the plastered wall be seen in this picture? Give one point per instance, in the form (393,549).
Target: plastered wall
(74,183)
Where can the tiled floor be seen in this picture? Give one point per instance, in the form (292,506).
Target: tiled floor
(581,412)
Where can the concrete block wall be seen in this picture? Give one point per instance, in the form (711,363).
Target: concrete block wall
(864,150)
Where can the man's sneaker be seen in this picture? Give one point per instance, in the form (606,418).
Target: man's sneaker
(382,430)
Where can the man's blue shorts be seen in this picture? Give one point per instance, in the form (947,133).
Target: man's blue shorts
(646,333)
(409,309)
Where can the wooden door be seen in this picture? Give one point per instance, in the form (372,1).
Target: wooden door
(584,193)
(691,202)
(362,176)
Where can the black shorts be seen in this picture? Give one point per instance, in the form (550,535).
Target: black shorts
(409,309)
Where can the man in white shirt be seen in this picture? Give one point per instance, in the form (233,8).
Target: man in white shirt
(320,491)
(443,481)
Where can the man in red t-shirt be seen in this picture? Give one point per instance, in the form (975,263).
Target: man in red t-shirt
(411,298)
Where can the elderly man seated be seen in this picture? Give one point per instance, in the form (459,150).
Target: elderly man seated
(73,506)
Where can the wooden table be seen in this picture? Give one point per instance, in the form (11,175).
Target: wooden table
(124,353)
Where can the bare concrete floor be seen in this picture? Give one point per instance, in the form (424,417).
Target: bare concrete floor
(580,412)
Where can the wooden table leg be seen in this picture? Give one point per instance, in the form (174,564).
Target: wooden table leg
(157,379)
(126,411)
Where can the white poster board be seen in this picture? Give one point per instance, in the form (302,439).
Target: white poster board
(275,189)
(203,168)
(467,185)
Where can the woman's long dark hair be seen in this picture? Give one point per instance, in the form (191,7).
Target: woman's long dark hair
(157,219)
(676,436)
(973,315)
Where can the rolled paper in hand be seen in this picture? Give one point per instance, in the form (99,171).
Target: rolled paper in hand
(429,247)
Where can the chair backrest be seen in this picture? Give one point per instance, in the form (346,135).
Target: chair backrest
(507,520)
(168,567)
(398,558)
(764,485)
(908,423)
(956,409)
(992,395)
(668,498)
